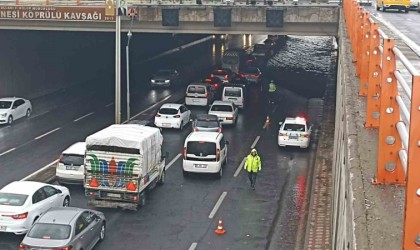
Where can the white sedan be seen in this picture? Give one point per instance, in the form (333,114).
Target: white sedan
(227,112)
(294,132)
(23,202)
(13,108)
(172,115)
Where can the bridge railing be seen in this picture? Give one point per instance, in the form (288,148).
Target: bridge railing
(393,107)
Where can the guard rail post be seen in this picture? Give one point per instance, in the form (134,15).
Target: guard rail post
(389,168)
(353,20)
(374,78)
(411,230)
(364,54)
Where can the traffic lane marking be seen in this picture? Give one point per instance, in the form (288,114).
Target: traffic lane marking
(240,167)
(43,113)
(138,114)
(83,117)
(109,104)
(217,206)
(255,142)
(8,151)
(193,246)
(49,132)
(173,161)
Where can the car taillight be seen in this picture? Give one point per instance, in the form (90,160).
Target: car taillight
(18,216)
(216,85)
(177,116)
(219,130)
(157,115)
(243,75)
(229,118)
(211,75)
(23,246)
(207,94)
(226,76)
(305,135)
(63,248)
(282,134)
(217,154)
(195,129)
(185,153)
(59,158)
(257,75)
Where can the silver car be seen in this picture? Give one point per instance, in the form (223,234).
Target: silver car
(206,123)
(70,227)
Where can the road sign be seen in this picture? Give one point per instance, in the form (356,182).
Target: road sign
(122,7)
(132,12)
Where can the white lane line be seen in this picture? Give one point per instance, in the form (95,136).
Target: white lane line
(144,111)
(240,167)
(39,170)
(82,117)
(255,142)
(43,113)
(49,132)
(216,207)
(8,151)
(109,104)
(193,246)
(173,161)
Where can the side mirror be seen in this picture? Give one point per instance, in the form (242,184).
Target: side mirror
(280,123)
(59,191)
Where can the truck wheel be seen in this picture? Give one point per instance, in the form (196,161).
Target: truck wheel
(162,178)
(142,199)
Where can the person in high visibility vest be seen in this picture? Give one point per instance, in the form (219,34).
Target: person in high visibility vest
(271,91)
(253,166)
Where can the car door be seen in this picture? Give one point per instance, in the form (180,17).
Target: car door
(81,234)
(235,111)
(223,149)
(53,196)
(20,108)
(39,203)
(89,231)
(185,114)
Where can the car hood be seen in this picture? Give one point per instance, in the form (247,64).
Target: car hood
(44,242)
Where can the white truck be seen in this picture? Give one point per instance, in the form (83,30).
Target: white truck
(122,161)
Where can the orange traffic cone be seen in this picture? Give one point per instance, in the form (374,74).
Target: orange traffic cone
(220,229)
(267,122)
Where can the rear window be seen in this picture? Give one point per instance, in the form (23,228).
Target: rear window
(222,108)
(294,127)
(207,124)
(76,160)
(251,71)
(196,90)
(168,111)
(233,92)
(201,148)
(50,231)
(7,199)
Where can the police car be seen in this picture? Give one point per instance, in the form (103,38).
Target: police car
(294,132)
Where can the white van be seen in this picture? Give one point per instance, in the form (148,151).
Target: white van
(70,167)
(235,94)
(199,94)
(204,152)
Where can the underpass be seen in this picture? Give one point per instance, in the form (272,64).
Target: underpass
(177,214)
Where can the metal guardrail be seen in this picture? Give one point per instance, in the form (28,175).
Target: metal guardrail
(399,132)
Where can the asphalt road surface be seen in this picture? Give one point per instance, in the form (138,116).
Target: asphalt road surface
(177,214)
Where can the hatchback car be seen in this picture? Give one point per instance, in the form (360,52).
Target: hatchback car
(66,228)
(206,123)
(70,166)
(222,74)
(227,112)
(13,108)
(165,78)
(294,132)
(215,82)
(172,115)
(252,74)
(23,202)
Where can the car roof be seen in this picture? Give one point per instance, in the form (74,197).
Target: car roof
(171,106)
(199,84)
(77,148)
(10,99)
(217,102)
(203,136)
(207,117)
(295,120)
(234,87)
(22,187)
(62,215)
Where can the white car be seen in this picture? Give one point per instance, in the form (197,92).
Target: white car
(23,202)
(226,111)
(172,115)
(13,108)
(70,167)
(294,132)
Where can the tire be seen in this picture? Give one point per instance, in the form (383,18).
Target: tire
(162,178)
(102,232)
(28,113)
(377,7)
(220,173)
(418,8)
(10,120)
(407,10)
(142,199)
(181,127)
(66,202)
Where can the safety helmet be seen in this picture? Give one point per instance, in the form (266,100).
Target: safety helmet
(272,81)
(253,150)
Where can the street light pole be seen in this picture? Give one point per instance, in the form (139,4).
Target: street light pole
(117,64)
(129,35)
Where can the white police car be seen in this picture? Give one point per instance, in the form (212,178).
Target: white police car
(294,132)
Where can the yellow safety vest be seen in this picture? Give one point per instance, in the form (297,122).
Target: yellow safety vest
(253,163)
(272,87)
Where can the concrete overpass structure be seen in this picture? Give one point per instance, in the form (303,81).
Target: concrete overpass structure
(207,18)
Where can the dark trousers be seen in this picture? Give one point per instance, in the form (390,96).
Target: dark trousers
(252,176)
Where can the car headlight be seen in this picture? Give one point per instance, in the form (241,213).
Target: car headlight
(3,115)
(152,81)
(167,81)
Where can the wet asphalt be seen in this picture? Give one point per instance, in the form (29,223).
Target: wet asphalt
(177,213)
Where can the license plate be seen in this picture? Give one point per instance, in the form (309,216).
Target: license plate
(293,137)
(195,100)
(200,165)
(166,124)
(114,195)
(232,99)
(72,167)
(3,228)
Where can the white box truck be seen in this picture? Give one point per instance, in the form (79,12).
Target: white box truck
(122,161)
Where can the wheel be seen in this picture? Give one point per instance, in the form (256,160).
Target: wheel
(66,202)
(162,178)
(142,199)
(377,7)
(220,174)
(226,159)
(181,126)
(10,120)
(407,10)
(102,232)
(383,8)
(418,8)
(28,113)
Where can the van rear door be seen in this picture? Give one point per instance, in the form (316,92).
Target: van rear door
(201,151)
(233,94)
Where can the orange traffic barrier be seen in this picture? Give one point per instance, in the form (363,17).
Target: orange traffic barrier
(220,229)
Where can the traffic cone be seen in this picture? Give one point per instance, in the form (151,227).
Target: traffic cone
(267,122)
(220,229)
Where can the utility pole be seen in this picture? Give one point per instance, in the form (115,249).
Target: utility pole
(127,49)
(117,63)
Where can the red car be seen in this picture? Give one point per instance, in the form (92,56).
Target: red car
(252,74)
(215,82)
(222,74)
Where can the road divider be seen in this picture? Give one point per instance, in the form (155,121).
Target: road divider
(217,206)
(83,117)
(240,167)
(193,246)
(173,161)
(255,142)
(49,132)
(8,151)
(39,171)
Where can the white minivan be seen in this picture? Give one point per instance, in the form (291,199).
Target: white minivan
(204,152)
(235,94)
(70,167)
(199,94)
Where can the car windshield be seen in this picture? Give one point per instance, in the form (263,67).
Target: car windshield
(8,199)
(294,127)
(5,104)
(196,90)
(201,148)
(168,111)
(233,92)
(68,159)
(163,72)
(251,71)
(207,124)
(50,231)
(222,108)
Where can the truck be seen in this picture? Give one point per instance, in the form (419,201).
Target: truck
(234,59)
(122,162)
